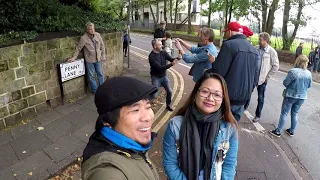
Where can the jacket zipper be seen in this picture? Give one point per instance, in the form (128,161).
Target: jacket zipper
(149,164)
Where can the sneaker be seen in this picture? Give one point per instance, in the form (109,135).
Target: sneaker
(169,108)
(289,132)
(256,119)
(275,133)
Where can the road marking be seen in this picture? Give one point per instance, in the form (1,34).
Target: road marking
(256,124)
(141,40)
(174,90)
(175,103)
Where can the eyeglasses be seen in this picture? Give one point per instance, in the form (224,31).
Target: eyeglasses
(206,93)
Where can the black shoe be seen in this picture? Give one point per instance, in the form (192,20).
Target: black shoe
(169,108)
(275,133)
(289,132)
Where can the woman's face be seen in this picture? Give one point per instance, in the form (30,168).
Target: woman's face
(209,96)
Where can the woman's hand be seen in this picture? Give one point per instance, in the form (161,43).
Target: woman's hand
(211,58)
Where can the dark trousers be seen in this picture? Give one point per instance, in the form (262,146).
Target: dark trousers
(261,91)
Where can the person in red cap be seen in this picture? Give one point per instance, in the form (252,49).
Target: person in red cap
(237,62)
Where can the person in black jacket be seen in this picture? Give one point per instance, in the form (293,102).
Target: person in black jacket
(158,66)
(299,49)
(160,33)
(237,62)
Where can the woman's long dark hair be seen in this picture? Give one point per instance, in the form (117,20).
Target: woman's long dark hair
(226,109)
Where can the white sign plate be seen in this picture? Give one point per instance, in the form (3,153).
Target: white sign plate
(72,70)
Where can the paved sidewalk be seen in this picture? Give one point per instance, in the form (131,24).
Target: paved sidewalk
(27,153)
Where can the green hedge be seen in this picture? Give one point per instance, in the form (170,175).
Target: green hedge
(23,19)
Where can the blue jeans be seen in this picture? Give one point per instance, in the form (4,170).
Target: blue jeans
(261,91)
(237,111)
(91,68)
(316,65)
(287,104)
(164,82)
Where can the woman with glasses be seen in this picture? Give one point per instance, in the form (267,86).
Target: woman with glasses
(201,141)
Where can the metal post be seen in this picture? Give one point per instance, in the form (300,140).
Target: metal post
(128,31)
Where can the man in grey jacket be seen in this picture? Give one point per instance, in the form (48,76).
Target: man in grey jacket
(268,65)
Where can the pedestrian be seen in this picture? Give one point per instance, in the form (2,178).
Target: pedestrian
(198,45)
(201,141)
(168,44)
(237,63)
(160,32)
(118,147)
(126,43)
(268,65)
(299,49)
(317,59)
(200,59)
(312,58)
(158,66)
(94,52)
(297,82)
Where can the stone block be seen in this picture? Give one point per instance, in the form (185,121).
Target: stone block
(40,46)
(8,157)
(49,93)
(53,44)
(21,72)
(27,49)
(42,56)
(52,83)
(4,112)
(13,119)
(28,91)
(27,113)
(42,108)
(32,80)
(48,65)
(10,52)
(36,68)
(16,95)
(28,60)
(15,85)
(13,62)
(45,76)
(42,86)
(68,42)
(68,52)
(37,99)
(5,99)
(17,106)
(4,66)
(7,76)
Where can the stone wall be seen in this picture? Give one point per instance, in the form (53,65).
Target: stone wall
(29,79)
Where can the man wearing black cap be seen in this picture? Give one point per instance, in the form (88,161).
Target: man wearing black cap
(158,66)
(117,149)
(160,32)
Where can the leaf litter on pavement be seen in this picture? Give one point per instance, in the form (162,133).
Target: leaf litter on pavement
(72,172)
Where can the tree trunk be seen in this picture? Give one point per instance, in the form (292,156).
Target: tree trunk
(264,12)
(230,11)
(158,17)
(165,11)
(171,19)
(270,20)
(226,14)
(285,37)
(289,40)
(175,15)
(155,23)
(189,17)
(209,14)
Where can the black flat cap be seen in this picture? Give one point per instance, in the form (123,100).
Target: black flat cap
(120,91)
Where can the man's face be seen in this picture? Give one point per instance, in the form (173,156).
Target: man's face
(135,121)
(90,30)
(262,42)
(227,34)
(163,26)
(158,46)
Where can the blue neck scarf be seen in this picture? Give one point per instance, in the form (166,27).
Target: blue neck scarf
(123,141)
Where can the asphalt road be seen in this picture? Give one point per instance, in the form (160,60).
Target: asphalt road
(306,143)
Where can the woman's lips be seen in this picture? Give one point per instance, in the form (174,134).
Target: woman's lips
(208,104)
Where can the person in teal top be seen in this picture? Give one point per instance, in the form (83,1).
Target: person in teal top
(199,56)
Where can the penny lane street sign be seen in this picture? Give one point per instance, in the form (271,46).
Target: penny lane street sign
(72,70)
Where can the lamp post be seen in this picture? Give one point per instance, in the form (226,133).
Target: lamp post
(128,29)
